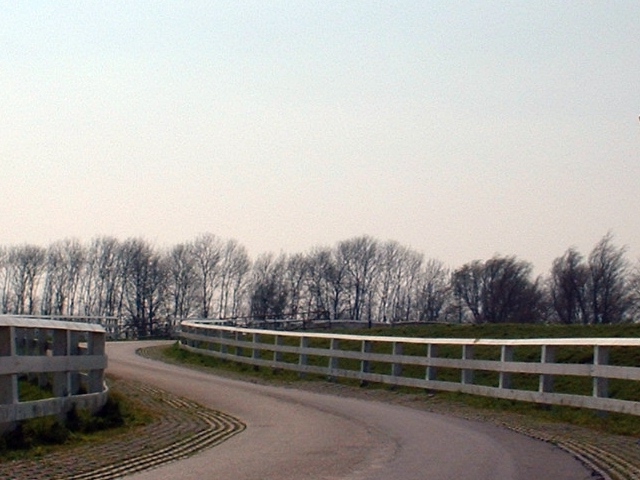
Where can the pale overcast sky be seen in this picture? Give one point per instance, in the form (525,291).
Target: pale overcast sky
(462,129)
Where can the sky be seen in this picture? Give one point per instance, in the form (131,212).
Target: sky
(461,129)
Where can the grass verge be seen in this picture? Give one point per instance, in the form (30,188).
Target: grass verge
(611,423)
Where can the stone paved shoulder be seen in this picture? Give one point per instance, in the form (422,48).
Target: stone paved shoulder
(181,429)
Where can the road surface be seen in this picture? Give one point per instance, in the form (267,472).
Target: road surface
(295,435)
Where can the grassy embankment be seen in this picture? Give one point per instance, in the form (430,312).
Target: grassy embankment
(610,422)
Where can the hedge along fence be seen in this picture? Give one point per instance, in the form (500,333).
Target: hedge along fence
(65,361)
(594,373)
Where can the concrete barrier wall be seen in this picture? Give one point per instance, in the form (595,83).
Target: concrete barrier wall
(358,357)
(65,359)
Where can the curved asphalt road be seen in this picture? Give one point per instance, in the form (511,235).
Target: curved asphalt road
(293,434)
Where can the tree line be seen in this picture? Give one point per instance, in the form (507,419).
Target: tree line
(360,279)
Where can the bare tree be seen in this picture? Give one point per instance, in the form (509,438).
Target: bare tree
(433,291)
(27,262)
(317,284)
(144,286)
(296,271)
(511,295)
(104,289)
(53,278)
(498,290)
(240,268)
(467,283)
(404,293)
(268,291)
(5,280)
(181,282)
(568,288)
(234,267)
(398,271)
(207,252)
(634,293)
(360,279)
(326,283)
(360,257)
(336,272)
(389,271)
(608,271)
(65,261)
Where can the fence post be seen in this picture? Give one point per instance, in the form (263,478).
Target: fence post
(8,383)
(547,355)
(61,348)
(96,346)
(600,384)
(277,355)
(432,352)
(256,353)
(303,359)
(74,349)
(506,355)
(43,378)
(334,361)
(467,373)
(30,349)
(365,364)
(397,350)
(213,344)
(238,338)
(190,342)
(224,348)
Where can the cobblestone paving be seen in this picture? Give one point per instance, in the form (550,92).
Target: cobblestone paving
(181,428)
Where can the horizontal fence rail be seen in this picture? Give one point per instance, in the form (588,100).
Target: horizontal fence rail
(115,327)
(63,361)
(578,372)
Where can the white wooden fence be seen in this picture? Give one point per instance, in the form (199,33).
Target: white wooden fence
(65,359)
(393,361)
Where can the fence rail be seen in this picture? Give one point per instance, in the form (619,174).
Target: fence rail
(65,360)
(531,370)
